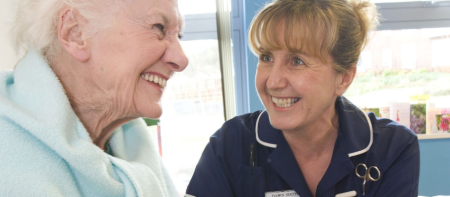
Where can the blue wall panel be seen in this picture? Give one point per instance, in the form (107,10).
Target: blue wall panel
(434,167)
(251,7)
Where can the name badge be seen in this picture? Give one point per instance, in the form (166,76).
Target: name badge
(287,193)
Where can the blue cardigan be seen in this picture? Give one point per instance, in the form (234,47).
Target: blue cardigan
(46,151)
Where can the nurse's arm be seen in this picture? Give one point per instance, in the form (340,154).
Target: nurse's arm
(209,178)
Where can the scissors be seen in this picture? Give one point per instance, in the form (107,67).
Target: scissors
(367,176)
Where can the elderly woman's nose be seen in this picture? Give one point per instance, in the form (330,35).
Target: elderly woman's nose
(175,57)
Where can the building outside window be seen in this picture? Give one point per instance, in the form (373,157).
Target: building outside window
(386,58)
(409,69)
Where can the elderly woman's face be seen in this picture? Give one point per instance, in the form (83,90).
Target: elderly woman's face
(296,89)
(136,55)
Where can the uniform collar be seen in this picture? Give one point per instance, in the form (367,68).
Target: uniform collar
(354,125)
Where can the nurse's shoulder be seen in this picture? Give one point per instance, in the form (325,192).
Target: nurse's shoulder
(395,141)
(395,151)
(228,150)
(239,128)
(386,128)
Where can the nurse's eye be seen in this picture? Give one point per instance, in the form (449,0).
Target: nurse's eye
(297,61)
(265,58)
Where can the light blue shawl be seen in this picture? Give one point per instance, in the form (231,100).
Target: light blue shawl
(46,151)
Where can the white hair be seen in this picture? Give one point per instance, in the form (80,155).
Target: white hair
(36,23)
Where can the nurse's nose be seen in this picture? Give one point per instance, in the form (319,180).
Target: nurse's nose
(277,78)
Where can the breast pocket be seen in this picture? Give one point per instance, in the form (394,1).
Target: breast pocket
(250,184)
(353,186)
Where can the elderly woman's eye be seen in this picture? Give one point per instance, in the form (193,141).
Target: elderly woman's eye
(265,58)
(160,27)
(297,61)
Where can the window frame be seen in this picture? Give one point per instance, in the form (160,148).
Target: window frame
(414,15)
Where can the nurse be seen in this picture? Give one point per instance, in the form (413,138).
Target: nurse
(310,140)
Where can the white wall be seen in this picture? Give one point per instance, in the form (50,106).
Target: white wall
(8,56)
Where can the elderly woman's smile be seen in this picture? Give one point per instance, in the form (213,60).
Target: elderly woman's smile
(156,79)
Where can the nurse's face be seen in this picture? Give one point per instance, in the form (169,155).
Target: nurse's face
(298,90)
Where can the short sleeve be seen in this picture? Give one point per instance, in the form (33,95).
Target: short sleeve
(209,178)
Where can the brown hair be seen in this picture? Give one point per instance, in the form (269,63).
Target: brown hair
(317,27)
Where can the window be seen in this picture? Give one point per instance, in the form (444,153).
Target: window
(192,7)
(409,58)
(386,58)
(406,79)
(404,74)
(392,1)
(365,61)
(192,110)
(192,102)
(440,51)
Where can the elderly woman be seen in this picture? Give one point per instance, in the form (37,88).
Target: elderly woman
(310,140)
(68,110)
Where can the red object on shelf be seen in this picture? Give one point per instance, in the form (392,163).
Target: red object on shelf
(158,133)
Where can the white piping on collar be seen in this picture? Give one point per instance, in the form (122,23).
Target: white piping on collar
(349,155)
(370,141)
(257,136)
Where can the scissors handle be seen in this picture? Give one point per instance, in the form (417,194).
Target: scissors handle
(369,177)
(365,170)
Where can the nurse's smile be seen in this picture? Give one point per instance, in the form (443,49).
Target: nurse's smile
(284,102)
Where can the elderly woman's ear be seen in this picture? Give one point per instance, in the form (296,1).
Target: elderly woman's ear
(343,80)
(72,34)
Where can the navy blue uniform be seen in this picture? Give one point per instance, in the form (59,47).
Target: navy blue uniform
(225,168)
